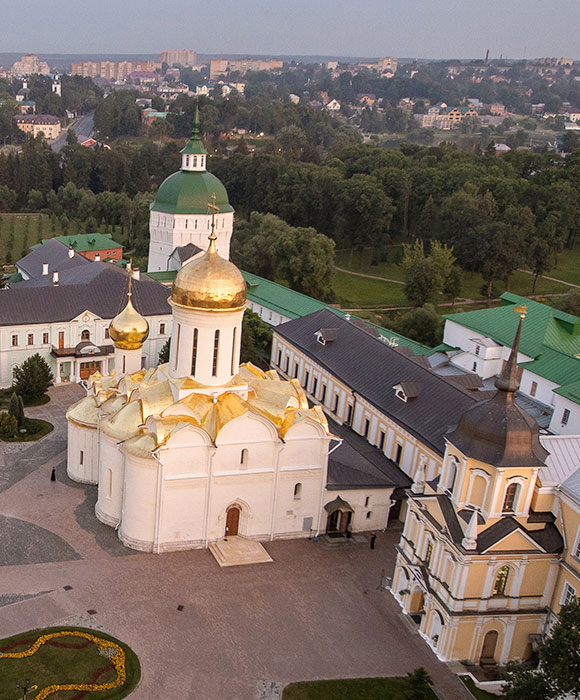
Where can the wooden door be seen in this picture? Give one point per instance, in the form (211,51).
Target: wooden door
(489,645)
(333,521)
(232,522)
(88,368)
(61,339)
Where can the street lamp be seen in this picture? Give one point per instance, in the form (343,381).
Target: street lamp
(26,688)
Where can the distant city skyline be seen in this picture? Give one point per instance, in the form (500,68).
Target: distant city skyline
(421,28)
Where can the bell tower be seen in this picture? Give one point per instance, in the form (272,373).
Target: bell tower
(179,215)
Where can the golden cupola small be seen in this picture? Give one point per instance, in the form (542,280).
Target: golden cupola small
(128,331)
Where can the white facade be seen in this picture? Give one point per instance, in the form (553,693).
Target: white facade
(485,357)
(170,231)
(17,343)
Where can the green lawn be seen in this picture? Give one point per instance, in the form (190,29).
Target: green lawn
(477,693)
(20,231)
(35,429)
(351,689)
(78,662)
(353,291)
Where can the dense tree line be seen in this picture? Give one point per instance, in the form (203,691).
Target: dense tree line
(497,213)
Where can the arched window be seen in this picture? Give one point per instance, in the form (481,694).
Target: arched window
(501,580)
(510,500)
(428,552)
(187,161)
(452,473)
(298,491)
(244,457)
(216,345)
(86,335)
(478,491)
(195,161)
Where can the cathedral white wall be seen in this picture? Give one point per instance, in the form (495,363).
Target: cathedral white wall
(111,481)
(137,528)
(82,447)
(184,324)
(127,361)
(170,231)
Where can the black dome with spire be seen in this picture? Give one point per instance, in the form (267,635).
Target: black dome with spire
(498,431)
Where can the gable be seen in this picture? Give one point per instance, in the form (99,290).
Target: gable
(515,541)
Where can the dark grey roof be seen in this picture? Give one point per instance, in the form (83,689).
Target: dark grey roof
(328,334)
(53,252)
(98,287)
(548,538)
(450,516)
(356,464)
(184,252)
(411,389)
(372,368)
(467,381)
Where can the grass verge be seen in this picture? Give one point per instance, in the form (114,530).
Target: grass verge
(352,689)
(35,429)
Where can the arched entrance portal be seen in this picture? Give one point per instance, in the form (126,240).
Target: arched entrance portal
(339,517)
(232,521)
(488,648)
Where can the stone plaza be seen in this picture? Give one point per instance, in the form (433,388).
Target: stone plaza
(200,631)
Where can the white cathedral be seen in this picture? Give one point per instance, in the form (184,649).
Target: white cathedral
(198,448)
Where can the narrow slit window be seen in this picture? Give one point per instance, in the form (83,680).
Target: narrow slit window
(194,353)
(233,368)
(216,345)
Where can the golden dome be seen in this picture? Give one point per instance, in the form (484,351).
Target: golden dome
(129,330)
(209,283)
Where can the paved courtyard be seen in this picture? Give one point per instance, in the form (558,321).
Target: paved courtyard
(312,613)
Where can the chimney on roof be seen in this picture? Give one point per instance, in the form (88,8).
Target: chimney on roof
(97,257)
(71,252)
(347,317)
(55,278)
(45,268)
(136,274)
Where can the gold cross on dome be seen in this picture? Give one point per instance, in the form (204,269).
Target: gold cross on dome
(212,206)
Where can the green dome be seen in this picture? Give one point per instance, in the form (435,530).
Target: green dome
(189,192)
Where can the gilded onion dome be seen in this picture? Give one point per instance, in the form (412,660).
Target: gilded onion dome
(129,330)
(209,283)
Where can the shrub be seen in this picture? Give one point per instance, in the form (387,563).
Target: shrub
(8,425)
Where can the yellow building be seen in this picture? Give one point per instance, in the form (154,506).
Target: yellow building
(478,561)
(36,124)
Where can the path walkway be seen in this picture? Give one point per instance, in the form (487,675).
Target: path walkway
(370,277)
(552,279)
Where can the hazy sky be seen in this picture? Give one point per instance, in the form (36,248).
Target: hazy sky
(422,28)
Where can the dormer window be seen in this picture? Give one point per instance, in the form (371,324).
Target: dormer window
(407,390)
(326,335)
(477,349)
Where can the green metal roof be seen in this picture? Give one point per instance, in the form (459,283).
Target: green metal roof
(570,391)
(549,336)
(83,242)
(543,327)
(291,304)
(189,192)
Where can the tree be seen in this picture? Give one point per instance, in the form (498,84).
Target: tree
(8,426)
(423,324)
(558,674)
(32,378)
(256,338)
(426,275)
(164,352)
(420,684)
(16,408)
(570,303)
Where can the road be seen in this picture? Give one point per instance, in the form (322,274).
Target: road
(83,128)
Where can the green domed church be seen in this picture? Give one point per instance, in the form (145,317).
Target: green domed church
(180,219)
